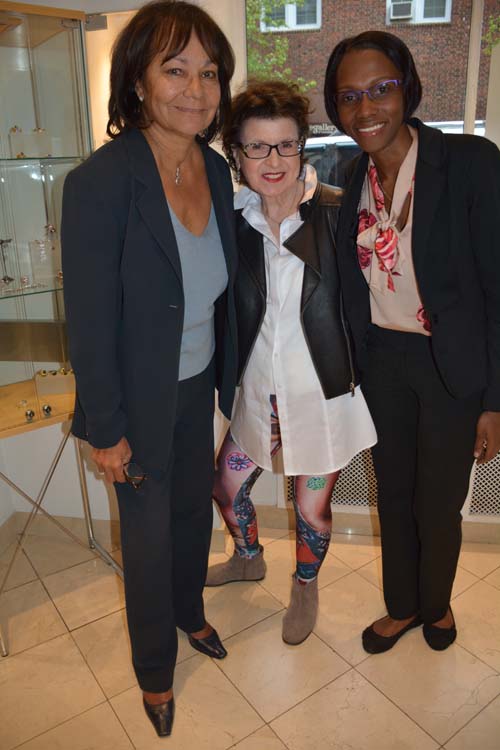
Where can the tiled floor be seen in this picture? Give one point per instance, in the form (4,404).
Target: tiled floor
(68,684)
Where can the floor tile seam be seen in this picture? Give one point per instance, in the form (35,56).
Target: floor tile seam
(98,619)
(351,666)
(61,723)
(471,719)
(243,739)
(403,711)
(90,622)
(10,655)
(247,701)
(19,585)
(121,723)
(248,627)
(95,556)
(453,598)
(461,564)
(303,700)
(22,552)
(89,666)
(347,573)
(475,656)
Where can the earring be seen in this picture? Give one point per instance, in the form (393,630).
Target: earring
(140,96)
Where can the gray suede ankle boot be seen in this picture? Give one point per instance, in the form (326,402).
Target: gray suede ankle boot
(300,617)
(237,568)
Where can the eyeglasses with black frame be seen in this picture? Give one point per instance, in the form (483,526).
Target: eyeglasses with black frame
(134,474)
(376,92)
(257,150)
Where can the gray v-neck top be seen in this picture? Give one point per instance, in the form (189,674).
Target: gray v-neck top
(204,277)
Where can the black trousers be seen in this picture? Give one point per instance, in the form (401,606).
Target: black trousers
(423,461)
(166,528)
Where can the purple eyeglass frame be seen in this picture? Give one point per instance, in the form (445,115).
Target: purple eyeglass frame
(359,92)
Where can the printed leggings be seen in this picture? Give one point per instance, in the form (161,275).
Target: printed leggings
(235,477)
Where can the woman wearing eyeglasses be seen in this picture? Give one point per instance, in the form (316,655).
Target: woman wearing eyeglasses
(419,258)
(298,383)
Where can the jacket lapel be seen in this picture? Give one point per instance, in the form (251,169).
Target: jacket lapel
(302,243)
(223,212)
(430,181)
(251,252)
(150,197)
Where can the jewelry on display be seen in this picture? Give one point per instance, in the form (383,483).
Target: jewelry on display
(29,414)
(47,410)
(5,278)
(43,373)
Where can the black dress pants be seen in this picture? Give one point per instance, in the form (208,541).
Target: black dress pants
(166,528)
(423,461)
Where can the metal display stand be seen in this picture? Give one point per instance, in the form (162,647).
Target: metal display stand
(37,507)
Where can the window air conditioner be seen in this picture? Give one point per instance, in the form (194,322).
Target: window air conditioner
(401,10)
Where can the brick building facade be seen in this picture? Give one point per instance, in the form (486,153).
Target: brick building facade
(440,51)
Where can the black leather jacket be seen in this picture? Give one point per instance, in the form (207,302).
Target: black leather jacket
(321,309)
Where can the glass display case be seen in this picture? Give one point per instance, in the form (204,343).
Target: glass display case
(44,133)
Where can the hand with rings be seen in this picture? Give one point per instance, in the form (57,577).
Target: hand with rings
(110,461)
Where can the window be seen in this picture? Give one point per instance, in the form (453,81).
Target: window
(418,11)
(294,16)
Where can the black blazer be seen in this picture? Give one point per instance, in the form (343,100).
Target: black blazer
(124,297)
(456,254)
(321,314)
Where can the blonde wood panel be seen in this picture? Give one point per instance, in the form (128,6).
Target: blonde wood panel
(12,408)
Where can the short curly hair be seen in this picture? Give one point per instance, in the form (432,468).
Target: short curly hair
(389,45)
(267,100)
(163,26)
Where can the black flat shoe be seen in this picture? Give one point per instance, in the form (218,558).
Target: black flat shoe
(440,638)
(374,643)
(161,716)
(210,646)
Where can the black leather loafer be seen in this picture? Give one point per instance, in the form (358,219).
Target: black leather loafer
(161,716)
(210,646)
(374,643)
(440,638)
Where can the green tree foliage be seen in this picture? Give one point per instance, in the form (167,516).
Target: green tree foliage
(492,35)
(267,53)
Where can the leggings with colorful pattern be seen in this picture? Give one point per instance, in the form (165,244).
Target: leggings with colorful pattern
(236,475)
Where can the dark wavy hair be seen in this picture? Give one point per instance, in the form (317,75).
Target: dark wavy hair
(265,100)
(392,47)
(163,26)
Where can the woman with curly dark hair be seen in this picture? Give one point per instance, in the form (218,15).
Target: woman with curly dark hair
(149,260)
(420,267)
(298,384)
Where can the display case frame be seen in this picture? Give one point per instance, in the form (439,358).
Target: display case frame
(44,133)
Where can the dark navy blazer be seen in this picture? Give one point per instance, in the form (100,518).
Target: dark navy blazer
(124,297)
(456,254)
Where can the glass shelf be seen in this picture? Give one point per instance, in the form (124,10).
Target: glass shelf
(20,160)
(49,289)
(44,134)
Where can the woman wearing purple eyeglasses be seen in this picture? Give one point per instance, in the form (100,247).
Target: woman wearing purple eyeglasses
(419,258)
